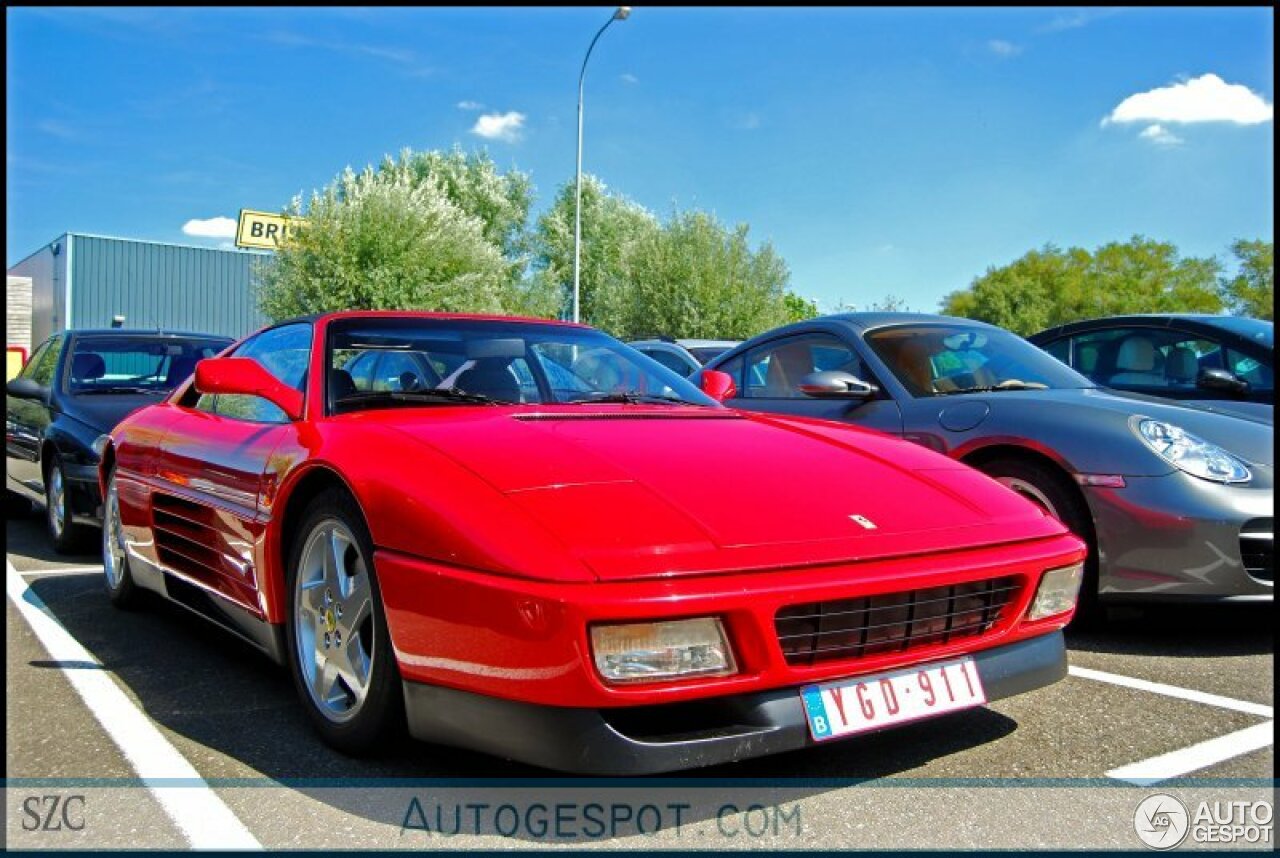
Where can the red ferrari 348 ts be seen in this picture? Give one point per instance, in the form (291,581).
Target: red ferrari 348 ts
(526,538)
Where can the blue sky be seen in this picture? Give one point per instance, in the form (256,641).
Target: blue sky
(891,151)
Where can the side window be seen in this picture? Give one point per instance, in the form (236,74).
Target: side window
(670,361)
(774,371)
(44,363)
(1252,370)
(283,352)
(32,362)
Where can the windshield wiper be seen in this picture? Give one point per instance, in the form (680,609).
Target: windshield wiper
(633,397)
(447,395)
(1011,384)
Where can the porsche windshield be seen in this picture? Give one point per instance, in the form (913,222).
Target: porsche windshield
(382,362)
(940,360)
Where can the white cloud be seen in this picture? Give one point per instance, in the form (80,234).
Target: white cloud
(1076,20)
(1001,48)
(500,126)
(1160,136)
(627,77)
(1207,98)
(214,227)
(470,105)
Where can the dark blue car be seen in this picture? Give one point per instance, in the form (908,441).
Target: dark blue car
(76,387)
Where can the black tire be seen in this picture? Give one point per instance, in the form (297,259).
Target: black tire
(380,716)
(116,577)
(67,536)
(1062,500)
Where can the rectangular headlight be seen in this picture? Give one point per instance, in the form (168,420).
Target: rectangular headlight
(655,652)
(1057,592)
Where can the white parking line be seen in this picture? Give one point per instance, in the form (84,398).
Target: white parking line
(1196,757)
(197,811)
(1174,691)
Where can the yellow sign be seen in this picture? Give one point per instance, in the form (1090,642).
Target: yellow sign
(14,358)
(266,230)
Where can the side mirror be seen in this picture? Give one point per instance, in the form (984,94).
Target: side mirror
(834,384)
(25,388)
(1223,380)
(247,376)
(718,385)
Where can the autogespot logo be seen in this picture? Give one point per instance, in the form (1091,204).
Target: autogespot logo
(1161,821)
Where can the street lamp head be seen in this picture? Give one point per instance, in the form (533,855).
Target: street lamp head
(622,14)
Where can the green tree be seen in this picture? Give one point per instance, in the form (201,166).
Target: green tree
(473,183)
(1252,291)
(798,308)
(612,228)
(696,278)
(387,239)
(1052,286)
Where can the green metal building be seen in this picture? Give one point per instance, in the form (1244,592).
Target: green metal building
(86,281)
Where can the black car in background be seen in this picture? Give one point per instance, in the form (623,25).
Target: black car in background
(77,386)
(1187,357)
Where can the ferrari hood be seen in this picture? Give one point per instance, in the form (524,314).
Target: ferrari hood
(636,492)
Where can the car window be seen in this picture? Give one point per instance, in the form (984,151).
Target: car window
(506,362)
(670,360)
(360,368)
(284,352)
(1164,361)
(128,362)
(1061,349)
(774,370)
(402,371)
(940,359)
(42,363)
(1252,370)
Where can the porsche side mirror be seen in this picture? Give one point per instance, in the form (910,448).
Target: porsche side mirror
(834,384)
(247,376)
(25,388)
(718,385)
(1212,378)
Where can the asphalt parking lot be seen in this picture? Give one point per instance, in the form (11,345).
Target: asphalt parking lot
(164,732)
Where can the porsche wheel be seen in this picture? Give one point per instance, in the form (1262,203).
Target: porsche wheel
(1052,491)
(339,649)
(115,561)
(67,536)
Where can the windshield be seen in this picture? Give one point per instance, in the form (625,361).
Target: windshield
(942,359)
(382,362)
(132,364)
(1258,330)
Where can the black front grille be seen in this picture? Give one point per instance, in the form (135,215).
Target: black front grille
(1256,546)
(892,622)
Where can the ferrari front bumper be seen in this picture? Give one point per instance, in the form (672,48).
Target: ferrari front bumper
(665,737)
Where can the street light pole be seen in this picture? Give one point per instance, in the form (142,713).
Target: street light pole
(619,15)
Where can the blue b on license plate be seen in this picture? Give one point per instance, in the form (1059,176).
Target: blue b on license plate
(849,706)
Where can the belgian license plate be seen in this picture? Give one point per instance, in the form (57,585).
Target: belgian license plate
(850,706)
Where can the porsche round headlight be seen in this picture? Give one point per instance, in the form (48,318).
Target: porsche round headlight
(1190,454)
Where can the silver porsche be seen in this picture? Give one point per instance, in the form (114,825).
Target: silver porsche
(1175,500)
